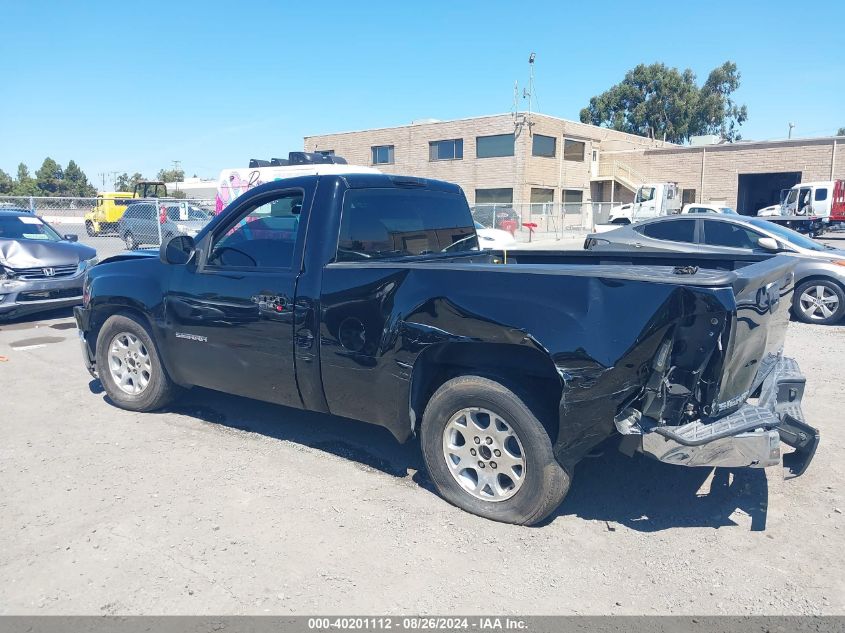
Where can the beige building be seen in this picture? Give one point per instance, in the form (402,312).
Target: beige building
(537,158)
(496,159)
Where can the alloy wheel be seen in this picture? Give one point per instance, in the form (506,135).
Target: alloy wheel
(484,454)
(129,363)
(819,302)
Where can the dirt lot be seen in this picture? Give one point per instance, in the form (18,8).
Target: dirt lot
(227,506)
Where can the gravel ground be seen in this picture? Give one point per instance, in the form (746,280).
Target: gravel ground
(223,505)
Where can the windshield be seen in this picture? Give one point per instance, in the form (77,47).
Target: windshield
(793,237)
(645,194)
(26,227)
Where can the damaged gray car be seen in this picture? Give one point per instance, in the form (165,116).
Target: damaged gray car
(39,268)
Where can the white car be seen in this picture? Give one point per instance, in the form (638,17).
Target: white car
(707,207)
(771,210)
(493,239)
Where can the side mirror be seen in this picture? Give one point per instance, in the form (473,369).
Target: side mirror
(177,250)
(71,237)
(769,244)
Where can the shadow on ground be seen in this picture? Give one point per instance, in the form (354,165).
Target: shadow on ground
(29,321)
(649,496)
(639,493)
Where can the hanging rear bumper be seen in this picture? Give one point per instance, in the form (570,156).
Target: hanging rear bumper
(750,437)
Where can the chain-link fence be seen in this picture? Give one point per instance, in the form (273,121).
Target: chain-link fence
(545,222)
(114,223)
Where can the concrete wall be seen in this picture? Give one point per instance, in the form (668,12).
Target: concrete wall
(713,170)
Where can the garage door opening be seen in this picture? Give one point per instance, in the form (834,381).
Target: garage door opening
(756,191)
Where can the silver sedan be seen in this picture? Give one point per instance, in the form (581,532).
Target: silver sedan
(820,275)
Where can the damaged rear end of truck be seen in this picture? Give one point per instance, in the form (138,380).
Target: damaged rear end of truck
(715,389)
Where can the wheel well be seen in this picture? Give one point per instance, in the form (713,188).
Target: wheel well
(814,278)
(101,315)
(526,371)
(817,278)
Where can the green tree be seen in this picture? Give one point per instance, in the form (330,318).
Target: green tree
(125,182)
(840,131)
(6,183)
(717,113)
(661,102)
(75,182)
(49,177)
(170,175)
(24,183)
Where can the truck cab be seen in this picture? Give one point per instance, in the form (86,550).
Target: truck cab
(812,198)
(108,209)
(650,201)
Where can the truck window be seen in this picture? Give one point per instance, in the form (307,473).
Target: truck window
(672,230)
(264,236)
(728,234)
(382,223)
(821,194)
(645,194)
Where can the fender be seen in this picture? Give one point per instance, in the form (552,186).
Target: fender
(137,287)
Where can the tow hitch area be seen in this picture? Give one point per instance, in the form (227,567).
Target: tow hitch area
(749,437)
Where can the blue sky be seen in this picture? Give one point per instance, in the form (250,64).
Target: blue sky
(131,86)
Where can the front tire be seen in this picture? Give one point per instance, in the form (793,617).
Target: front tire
(819,301)
(89,229)
(487,452)
(129,366)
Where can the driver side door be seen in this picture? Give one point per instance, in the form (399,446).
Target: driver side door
(230,311)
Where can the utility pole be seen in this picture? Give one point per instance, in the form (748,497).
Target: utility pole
(177,165)
(791,125)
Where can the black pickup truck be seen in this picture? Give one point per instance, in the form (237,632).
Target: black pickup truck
(365,296)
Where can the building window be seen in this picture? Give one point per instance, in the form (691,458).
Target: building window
(543,146)
(572,196)
(573,150)
(451,149)
(326,152)
(494,196)
(542,195)
(382,154)
(687,196)
(490,146)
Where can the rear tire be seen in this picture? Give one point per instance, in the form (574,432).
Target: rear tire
(819,301)
(471,421)
(130,241)
(89,229)
(129,366)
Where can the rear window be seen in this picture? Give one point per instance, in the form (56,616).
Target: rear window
(384,223)
(673,230)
